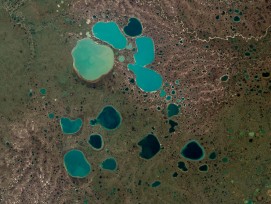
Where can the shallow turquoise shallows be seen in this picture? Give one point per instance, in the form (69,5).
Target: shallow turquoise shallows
(110,33)
(91,60)
(109,164)
(145,51)
(76,164)
(163,93)
(146,79)
(121,58)
(69,126)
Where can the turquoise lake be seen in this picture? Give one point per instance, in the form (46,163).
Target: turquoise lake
(109,164)
(146,79)
(163,93)
(110,33)
(145,51)
(69,126)
(43,91)
(172,110)
(91,60)
(76,164)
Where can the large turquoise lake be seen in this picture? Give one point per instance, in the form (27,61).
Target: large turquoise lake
(76,164)
(109,164)
(145,51)
(69,126)
(146,79)
(91,60)
(110,33)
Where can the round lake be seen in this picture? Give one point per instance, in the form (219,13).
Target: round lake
(76,164)
(193,151)
(109,164)
(96,141)
(91,61)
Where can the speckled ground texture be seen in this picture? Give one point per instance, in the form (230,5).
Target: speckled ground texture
(196,42)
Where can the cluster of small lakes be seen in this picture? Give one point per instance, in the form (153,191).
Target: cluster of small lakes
(91,61)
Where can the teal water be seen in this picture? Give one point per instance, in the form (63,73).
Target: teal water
(109,164)
(51,115)
(96,141)
(69,126)
(150,146)
(145,51)
(76,164)
(109,118)
(156,184)
(163,93)
(146,79)
(172,110)
(212,156)
(134,28)
(43,91)
(168,98)
(236,19)
(193,151)
(129,46)
(93,122)
(91,60)
(121,58)
(224,78)
(225,160)
(110,33)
